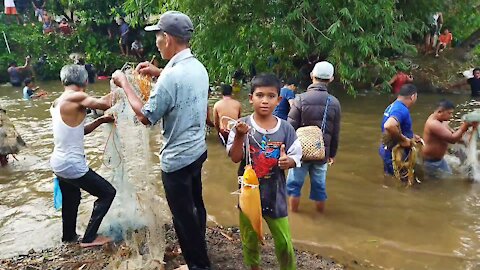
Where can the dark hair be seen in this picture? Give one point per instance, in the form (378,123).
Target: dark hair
(445,105)
(265,79)
(475,69)
(11,64)
(408,90)
(27,81)
(226,90)
(291,81)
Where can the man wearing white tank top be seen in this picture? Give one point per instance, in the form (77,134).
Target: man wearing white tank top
(68,159)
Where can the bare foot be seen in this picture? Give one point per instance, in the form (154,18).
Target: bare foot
(320,206)
(99,241)
(182,267)
(294,203)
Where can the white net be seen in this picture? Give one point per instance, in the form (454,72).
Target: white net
(139,211)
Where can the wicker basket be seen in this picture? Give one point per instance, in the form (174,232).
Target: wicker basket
(311,139)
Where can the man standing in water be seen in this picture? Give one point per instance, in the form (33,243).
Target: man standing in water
(397,125)
(68,160)
(437,136)
(474,83)
(180,99)
(228,107)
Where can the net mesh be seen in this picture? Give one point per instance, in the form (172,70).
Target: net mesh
(139,211)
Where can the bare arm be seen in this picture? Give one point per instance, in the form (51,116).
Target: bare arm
(96,123)
(216,118)
(392,127)
(445,134)
(236,151)
(392,80)
(103,103)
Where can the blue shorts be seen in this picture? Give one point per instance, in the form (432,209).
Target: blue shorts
(436,168)
(386,156)
(318,175)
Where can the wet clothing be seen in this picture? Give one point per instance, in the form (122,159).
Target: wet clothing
(183,190)
(474,86)
(401,79)
(283,108)
(95,185)
(280,229)
(318,177)
(400,112)
(15,76)
(68,158)
(265,152)
(180,98)
(308,110)
(436,168)
(27,93)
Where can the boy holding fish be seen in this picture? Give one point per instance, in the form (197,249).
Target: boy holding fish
(266,146)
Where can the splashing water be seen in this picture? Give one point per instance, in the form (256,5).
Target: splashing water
(139,211)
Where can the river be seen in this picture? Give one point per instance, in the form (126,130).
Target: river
(369,218)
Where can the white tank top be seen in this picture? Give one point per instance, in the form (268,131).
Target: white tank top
(68,158)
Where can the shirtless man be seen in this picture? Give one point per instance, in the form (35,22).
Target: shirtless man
(68,160)
(228,107)
(437,135)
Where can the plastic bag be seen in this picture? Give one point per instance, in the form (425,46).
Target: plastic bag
(57,194)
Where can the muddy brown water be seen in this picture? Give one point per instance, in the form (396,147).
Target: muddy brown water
(369,218)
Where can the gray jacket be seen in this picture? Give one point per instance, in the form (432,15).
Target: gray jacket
(308,110)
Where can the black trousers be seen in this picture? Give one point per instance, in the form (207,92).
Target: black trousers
(183,189)
(94,184)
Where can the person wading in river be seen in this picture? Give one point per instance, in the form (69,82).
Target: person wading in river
(437,136)
(318,108)
(180,98)
(68,160)
(397,125)
(228,107)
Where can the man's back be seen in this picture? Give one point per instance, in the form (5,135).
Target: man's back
(227,107)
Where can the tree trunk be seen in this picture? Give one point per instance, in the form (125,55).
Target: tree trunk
(472,41)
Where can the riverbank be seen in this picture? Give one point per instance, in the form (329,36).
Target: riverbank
(224,248)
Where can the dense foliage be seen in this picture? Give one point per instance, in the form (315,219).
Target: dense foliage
(360,37)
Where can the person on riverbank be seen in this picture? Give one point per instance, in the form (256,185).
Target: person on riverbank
(124,31)
(68,160)
(437,136)
(397,125)
(316,107)
(30,89)
(137,49)
(435,23)
(444,40)
(274,147)
(48,24)
(180,99)
(399,80)
(39,6)
(226,107)
(288,94)
(17,74)
(10,10)
(474,83)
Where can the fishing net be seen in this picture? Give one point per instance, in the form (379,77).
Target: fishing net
(139,211)
(464,156)
(10,140)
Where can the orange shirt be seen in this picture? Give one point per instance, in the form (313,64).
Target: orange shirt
(446,39)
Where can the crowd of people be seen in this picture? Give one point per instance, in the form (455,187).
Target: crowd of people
(269,139)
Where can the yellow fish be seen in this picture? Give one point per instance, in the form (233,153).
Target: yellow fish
(250,203)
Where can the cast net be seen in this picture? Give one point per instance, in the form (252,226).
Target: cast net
(10,140)
(139,211)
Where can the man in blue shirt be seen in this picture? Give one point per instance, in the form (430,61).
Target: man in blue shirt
(180,99)
(288,95)
(124,33)
(397,125)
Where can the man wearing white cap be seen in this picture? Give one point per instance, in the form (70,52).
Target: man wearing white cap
(180,98)
(316,107)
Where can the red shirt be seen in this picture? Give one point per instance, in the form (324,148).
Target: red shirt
(400,80)
(446,39)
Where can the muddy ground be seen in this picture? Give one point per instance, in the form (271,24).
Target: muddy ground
(224,248)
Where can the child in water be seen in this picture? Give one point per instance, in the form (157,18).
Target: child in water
(274,147)
(30,89)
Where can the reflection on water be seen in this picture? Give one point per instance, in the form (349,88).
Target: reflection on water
(435,225)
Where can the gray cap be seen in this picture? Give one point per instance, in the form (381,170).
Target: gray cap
(174,23)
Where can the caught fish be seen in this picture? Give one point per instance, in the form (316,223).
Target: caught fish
(250,203)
